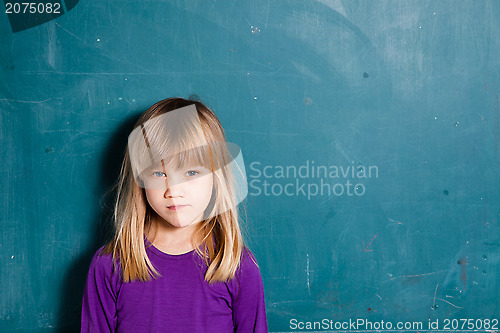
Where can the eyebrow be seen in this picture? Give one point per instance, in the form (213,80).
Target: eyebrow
(186,167)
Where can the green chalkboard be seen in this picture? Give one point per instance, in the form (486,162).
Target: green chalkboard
(370,132)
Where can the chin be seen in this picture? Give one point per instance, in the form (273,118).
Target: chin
(179,224)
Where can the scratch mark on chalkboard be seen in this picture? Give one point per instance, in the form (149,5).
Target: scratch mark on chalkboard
(97,50)
(415,275)
(110,16)
(341,150)
(267,14)
(51,48)
(20,101)
(463,262)
(281,277)
(434,300)
(69,32)
(395,221)
(304,70)
(366,248)
(307,273)
(491,244)
(335,5)
(276,304)
(496,107)
(342,235)
(378,296)
(264,133)
(458,307)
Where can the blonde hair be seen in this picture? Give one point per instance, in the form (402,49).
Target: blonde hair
(218,238)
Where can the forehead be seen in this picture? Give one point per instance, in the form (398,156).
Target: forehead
(175,137)
(174,165)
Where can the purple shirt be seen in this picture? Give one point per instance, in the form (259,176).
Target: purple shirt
(179,301)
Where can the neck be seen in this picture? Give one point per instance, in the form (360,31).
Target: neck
(170,239)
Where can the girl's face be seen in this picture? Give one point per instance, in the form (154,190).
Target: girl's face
(179,196)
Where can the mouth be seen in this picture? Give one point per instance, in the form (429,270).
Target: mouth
(176,207)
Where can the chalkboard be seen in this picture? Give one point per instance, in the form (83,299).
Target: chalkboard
(370,132)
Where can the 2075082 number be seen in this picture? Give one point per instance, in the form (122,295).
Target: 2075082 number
(470,324)
(32,8)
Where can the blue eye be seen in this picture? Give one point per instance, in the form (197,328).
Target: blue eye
(192,173)
(159,174)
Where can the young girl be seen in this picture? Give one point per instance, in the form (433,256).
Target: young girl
(177,262)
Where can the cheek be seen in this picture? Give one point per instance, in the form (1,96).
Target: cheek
(153,196)
(204,188)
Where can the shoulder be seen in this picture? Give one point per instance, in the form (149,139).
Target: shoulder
(248,261)
(102,264)
(103,281)
(248,271)
(247,287)
(100,256)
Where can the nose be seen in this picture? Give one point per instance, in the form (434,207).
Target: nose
(173,180)
(173,188)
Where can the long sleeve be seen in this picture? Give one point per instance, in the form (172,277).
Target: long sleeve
(249,310)
(99,296)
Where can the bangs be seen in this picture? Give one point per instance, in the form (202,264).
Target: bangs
(178,143)
(176,158)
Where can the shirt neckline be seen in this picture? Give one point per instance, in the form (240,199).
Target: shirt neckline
(162,254)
